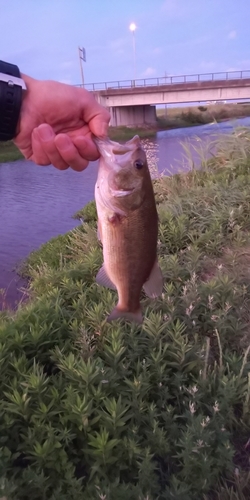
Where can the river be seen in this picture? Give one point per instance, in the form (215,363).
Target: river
(37,203)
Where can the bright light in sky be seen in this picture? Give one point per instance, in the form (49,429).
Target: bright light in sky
(132,27)
(176,37)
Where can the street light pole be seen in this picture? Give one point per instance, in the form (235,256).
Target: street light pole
(82,57)
(132,28)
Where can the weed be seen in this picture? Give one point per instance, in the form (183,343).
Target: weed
(114,411)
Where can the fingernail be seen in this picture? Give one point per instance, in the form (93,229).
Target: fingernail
(103,129)
(45,133)
(63,141)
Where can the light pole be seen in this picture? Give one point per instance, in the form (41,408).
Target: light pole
(132,28)
(82,57)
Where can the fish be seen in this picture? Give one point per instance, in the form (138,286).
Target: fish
(127,226)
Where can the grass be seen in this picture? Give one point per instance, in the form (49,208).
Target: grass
(125,133)
(201,115)
(9,152)
(176,117)
(113,411)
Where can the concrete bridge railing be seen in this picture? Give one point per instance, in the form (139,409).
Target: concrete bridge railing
(167,80)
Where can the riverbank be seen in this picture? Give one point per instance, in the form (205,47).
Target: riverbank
(9,152)
(137,411)
(182,117)
(167,118)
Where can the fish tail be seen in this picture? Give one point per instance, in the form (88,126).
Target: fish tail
(134,317)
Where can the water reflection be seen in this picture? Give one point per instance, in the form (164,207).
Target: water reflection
(37,203)
(173,158)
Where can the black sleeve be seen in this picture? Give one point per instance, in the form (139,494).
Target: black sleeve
(10,100)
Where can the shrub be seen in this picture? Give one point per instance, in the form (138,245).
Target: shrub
(87,213)
(114,411)
(193,117)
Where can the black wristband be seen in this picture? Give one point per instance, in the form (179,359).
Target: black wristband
(11,87)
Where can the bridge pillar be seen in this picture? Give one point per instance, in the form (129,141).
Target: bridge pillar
(132,115)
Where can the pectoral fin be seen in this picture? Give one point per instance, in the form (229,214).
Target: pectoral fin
(154,284)
(103,279)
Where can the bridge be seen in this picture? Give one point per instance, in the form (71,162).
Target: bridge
(132,102)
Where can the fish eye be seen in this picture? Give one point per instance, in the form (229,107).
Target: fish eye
(138,164)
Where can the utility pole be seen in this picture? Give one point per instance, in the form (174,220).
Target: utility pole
(82,57)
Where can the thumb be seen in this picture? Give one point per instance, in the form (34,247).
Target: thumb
(99,123)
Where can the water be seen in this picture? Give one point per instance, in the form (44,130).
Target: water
(37,203)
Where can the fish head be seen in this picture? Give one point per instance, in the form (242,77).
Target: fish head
(123,174)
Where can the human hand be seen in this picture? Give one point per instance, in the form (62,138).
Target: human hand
(57,122)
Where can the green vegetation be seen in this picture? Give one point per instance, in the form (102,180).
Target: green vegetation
(168,118)
(114,411)
(51,253)
(200,115)
(125,133)
(87,213)
(9,152)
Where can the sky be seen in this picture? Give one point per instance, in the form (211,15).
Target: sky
(173,37)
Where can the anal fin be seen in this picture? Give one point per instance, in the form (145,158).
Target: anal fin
(154,284)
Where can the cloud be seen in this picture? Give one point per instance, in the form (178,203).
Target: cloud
(149,72)
(232,34)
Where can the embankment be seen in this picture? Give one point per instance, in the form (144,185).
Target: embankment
(119,411)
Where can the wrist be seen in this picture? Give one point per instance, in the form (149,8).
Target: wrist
(27,81)
(11,92)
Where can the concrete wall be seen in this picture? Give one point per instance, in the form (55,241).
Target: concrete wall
(132,115)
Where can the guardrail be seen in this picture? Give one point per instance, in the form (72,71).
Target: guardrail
(167,80)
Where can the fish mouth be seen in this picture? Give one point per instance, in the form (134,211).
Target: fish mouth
(118,193)
(108,147)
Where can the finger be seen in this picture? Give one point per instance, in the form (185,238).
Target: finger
(70,153)
(99,123)
(38,154)
(47,137)
(96,116)
(86,148)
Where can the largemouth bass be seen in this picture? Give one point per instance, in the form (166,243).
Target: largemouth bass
(127,226)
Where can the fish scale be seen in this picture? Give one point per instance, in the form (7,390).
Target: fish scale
(128,226)
(129,253)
